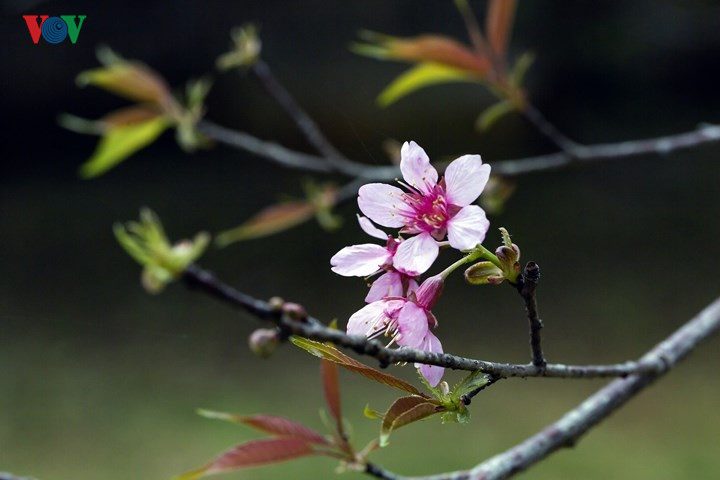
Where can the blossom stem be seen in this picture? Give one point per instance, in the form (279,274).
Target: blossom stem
(470,257)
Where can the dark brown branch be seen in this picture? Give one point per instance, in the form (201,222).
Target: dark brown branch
(309,327)
(526,287)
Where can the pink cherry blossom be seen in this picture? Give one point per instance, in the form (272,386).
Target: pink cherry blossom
(406,320)
(368,259)
(431,209)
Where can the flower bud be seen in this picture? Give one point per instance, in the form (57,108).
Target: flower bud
(483,273)
(264,341)
(509,257)
(295,311)
(429,291)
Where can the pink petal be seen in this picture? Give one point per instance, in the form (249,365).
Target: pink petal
(360,260)
(368,227)
(465,179)
(430,290)
(412,286)
(387,285)
(415,255)
(368,320)
(467,228)
(432,373)
(412,325)
(416,169)
(382,203)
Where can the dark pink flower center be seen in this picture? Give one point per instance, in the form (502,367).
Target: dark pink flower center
(428,212)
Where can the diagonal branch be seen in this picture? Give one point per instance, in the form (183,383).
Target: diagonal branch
(574,424)
(306,326)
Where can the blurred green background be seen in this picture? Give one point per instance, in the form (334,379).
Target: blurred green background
(99,380)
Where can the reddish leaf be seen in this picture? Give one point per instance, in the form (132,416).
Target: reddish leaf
(271,424)
(130,115)
(131,80)
(328,352)
(424,48)
(498,24)
(406,410)
(331,388)
(253,453)
(272,219)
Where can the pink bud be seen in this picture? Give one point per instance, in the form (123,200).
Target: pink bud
(429,291)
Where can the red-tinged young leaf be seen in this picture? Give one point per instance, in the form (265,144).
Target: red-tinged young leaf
(270,424)
(131,80)
(498,24)
(328,352)
(331,388)
(404,411)
(424,48)
(272,219)
(253,453)
(130,115)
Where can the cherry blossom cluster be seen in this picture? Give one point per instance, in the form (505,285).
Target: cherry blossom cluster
(429,214)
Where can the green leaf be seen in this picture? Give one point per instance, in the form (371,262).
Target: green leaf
(406,410)
(473,381)
(255,452)
(372,414)
(520,69)
(120,142)
(328,352)
(420,76)
(269,424)
(492,114)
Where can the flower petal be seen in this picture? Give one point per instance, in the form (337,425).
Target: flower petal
(412,325)
(415,255)
(465,179)
(416,169)
(382,203)
(368,227)
(360,260)
(432,373)
(387,285)
(368,320)
(467,228)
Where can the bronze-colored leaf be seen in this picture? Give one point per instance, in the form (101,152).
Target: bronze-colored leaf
(406,410)
(331,389)
(270,424)
(424,48)
(272,219)
(130,80)
(498,24)
(255,452)
(328,352)
(130,115)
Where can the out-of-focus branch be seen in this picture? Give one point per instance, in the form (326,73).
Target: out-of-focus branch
(579,155)
(291,322)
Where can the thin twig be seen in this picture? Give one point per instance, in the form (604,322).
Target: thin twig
(312,328)
(467,398)
(581,154)
(304,122)
(549,130)
(526,287)
(574,424)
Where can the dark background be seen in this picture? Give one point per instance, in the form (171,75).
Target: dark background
(99,380)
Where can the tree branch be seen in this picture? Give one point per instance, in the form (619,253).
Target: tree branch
(306,326)
(580,154)
(574,424)
(526,288)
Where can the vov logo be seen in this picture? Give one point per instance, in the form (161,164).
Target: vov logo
(54,29)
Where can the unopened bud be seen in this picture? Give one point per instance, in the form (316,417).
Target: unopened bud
(483,273)
(444,388)
(276,304)
(264,341)
(295,311)
(429,291)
